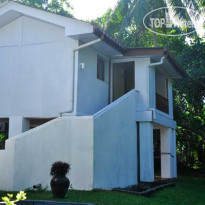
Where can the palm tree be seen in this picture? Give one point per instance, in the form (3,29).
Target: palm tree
(195,12)
(131,12)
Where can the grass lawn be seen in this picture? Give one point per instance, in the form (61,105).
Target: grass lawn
(189,190)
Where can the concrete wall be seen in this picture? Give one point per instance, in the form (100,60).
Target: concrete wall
(174,152)
(7,166)
(170,97)
(115,144)
(92,92)
(36,65)
(146,152)
(28,157)
(152,88)
(17,125)
(168,153)
(142,75)
(102,150)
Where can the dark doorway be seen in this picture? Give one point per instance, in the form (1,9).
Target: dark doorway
(123,78)
(157,153)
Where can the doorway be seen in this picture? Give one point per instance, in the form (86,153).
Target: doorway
(157,153)
(123,78)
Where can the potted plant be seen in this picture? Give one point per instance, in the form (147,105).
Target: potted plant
(59,183)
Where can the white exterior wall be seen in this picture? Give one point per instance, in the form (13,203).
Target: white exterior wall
(146,152)
(7,163)
(152,88)
(36,64)
(17,125)
(28,157)
(170,97)
(174,152)
(102,150)
(168,153)
(115,144)
(142,76)
(92,92)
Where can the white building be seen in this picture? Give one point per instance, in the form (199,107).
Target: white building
(90,102)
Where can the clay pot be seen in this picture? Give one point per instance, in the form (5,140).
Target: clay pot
(59,186)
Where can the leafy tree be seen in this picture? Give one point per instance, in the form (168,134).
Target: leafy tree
(129,16)
(61,7)
(127,19)
(189,106)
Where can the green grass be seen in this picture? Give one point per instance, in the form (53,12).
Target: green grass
(188,191)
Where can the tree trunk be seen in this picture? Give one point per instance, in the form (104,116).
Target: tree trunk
(154,37)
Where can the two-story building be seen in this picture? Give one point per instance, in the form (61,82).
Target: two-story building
(69,92)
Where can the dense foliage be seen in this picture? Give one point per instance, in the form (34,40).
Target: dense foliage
(61,7)
(189,106)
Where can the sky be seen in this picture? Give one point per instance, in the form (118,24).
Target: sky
(91,9)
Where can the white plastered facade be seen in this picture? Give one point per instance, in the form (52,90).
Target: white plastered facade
(41,78)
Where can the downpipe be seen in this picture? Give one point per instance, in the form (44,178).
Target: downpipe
(157,63)
(75,77)
(151,65)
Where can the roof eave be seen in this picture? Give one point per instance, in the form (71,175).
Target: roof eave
(108,39)
(160,51)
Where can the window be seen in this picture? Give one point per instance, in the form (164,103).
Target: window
(101,69)
(162,98)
